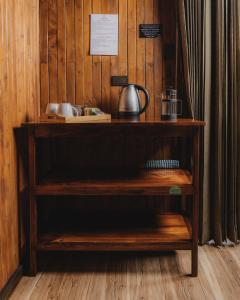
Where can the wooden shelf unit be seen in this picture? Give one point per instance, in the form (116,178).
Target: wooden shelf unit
(171,232)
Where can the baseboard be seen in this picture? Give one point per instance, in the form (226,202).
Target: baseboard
(11,284)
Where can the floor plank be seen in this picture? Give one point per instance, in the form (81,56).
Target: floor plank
(133,276)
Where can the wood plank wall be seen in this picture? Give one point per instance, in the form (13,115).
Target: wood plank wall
(19,101)
(69,73)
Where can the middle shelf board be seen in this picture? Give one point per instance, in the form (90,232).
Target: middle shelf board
(144,182)
(168,231)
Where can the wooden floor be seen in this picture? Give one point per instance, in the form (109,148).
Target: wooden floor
(123,276)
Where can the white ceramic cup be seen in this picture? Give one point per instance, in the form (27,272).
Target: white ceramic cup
(52,108)
(66,110)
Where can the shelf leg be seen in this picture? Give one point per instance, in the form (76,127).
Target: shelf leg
(195,205)
(194,261)
(32,207)
(32,239)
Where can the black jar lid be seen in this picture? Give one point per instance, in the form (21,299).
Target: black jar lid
(171,93)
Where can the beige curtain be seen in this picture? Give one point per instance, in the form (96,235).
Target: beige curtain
(210,45)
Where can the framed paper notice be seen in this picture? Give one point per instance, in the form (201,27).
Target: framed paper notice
(104,34)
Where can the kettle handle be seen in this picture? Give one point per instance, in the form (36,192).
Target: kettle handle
(140,88)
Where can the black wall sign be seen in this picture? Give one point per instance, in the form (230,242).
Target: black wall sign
(119,80)
(149,30)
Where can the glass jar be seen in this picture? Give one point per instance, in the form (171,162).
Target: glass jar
(171,106)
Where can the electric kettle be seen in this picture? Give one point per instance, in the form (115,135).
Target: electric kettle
(130,104)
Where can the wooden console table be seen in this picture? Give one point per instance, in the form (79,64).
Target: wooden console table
(172,231)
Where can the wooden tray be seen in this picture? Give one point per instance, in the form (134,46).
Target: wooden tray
(81,119)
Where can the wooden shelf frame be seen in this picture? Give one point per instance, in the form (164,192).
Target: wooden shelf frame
(189,129)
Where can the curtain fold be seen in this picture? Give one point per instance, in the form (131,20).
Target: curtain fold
(210,51)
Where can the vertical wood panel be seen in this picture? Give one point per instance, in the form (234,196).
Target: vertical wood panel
(132,47)
(141,50)
(157,63)
(79,51)
(71,57)
(114,6)
(87,58)
(61,32)
(82,78)
(44,84)
(106,68)
(52,44)
(19,101)
(149,7)
(123,39)
(123,59)
(97,65)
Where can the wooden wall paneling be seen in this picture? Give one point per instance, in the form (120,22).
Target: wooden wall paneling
(149,7)
(19,101)
(71,54)
(61,54)
(132,41)
(84,78)
(106,68)
(20,71)
(164,33)
(123,21)
(79,32)
(32,65)
(157,63)
(97,65)
(87,10)
(123,30)
(35,61)
(53,50)
(44,86)
(141,50)
(115,91)
(43,44)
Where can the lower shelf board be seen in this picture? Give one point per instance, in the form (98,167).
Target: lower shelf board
(172,231)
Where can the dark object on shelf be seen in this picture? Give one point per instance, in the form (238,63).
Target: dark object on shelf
(149,30)
(130,104)
(162,164)
(170,105)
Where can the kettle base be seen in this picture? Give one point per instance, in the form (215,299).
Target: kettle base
(129,116)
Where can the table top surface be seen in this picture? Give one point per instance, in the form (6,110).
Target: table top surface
(121,122)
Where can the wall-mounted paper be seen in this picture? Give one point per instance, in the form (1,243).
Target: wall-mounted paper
(104,34)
